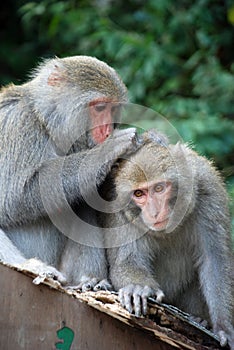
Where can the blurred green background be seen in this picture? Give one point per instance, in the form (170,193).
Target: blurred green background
(175,57)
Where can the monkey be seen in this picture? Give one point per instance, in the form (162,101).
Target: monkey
(168,233)
(58,140)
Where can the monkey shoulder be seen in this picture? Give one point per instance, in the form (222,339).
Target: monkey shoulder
(204,171)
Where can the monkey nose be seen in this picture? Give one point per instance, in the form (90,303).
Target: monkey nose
(108,130)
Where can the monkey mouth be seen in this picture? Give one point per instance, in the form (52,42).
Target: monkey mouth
(160,225)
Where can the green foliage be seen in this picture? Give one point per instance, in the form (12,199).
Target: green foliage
(175,57)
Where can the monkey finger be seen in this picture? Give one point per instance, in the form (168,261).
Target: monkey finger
(75,288)
(89,285)
(131,132)
(199,320)
(86,284)
(147,292)
(60,277)
(128,302)
(127,140)
(125,298)
(137,302)
(103,285)
(54,274)
(159,296)
(223,339)
(150,292)
(144,306)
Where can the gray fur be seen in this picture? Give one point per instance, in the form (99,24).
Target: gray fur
(45,145)
(191,262)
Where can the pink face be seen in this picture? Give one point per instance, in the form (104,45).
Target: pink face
(102,112)
(153,199)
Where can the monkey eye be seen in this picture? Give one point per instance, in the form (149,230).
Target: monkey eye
(159,187)
(115,109)
(138,193)
(99,107)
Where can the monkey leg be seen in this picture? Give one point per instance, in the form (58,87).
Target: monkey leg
(85,267)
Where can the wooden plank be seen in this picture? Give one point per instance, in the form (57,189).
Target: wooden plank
(41,317)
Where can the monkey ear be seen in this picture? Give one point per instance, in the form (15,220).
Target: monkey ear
(178,150)
(56,77)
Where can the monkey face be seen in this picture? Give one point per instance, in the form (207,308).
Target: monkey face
(153,200)
(103,115)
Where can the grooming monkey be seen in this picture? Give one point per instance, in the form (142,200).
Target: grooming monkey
(57,143)
(171,240)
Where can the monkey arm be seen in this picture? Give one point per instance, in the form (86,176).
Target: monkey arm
(29,193)
(215,278)
(75,178)
(216,285)
(214,252)
(129,272)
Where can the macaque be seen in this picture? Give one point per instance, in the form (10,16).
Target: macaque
(57,143)
(170,238)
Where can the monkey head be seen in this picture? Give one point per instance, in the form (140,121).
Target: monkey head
(79,97)
(158,184)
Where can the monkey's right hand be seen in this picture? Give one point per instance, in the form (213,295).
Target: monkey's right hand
(97,162)
(120,144)
(133,297)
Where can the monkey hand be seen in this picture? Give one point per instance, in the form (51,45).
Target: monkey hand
(226,338)
(42,270)
(122,142)
(134,298)
(98,161)
(88,283)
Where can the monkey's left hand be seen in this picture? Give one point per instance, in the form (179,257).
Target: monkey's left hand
(134,298)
